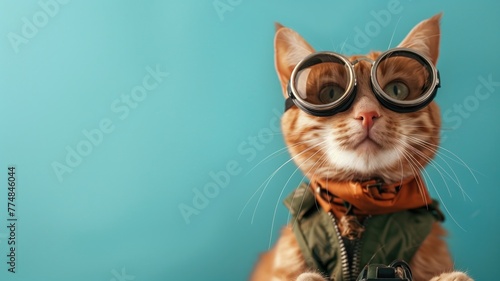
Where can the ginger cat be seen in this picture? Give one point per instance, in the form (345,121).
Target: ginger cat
(364,141)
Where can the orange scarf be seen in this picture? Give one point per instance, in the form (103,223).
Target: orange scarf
(369,197)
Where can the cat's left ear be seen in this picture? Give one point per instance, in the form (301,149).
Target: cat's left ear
(424,37)
(289,49)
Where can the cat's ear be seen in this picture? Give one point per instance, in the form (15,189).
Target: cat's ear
(289,49)
(424,37)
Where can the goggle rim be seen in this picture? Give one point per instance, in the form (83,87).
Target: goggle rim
(329,108)
(403,106)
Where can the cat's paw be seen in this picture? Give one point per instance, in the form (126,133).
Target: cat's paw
(309,276)
(452,276)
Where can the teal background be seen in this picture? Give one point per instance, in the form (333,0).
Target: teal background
(116,215)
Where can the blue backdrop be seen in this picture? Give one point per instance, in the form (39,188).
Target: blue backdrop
(145,139)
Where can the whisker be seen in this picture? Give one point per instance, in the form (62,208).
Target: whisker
(430,162)
(433,163)
(276,152)
(460,161)
(415,171)
(281,194)
(447,129)
(393,32)
(426,174)
(274,173)
(325,157)
(269,178)
(343,45)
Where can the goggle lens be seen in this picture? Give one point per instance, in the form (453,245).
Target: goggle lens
(404,80)
(323,83)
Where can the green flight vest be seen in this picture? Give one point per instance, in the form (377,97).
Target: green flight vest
(385,239)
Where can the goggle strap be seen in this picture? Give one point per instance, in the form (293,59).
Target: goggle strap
(288,104)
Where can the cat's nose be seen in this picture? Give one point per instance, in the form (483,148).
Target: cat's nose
(367,118)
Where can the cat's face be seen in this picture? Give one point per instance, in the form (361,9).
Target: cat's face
(367,140)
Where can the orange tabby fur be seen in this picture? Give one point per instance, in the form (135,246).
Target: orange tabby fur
(334,148)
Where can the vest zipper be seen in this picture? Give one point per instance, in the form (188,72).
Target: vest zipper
(356,260)
(349,272)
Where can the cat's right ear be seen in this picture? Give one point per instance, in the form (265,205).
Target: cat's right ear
(289,49)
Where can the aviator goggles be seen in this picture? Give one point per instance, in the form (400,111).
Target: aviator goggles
(324,83)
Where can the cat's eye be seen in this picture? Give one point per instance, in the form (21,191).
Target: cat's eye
(330,93)
(397,90)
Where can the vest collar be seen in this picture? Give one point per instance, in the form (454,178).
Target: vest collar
(372,197)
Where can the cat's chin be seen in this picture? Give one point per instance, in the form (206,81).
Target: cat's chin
(368,161)
(365,159)
(367,147)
